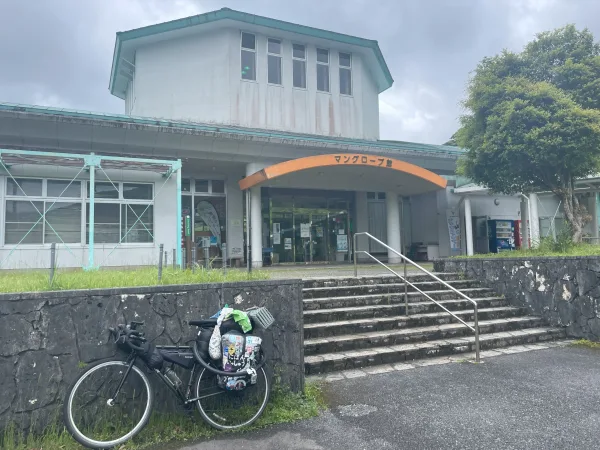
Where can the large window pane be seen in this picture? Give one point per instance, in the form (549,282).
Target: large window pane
(248,41)
(274,69)
(20,218)
(322,78)
(106,223)
(186,185)
(345,81)
(57,187)
(274,46)
(248,65)
(104,190)
(28,186)
(137,223)
(65,218)
(299,51)
(218,186)
(201,185)
(299,73)
(137,191)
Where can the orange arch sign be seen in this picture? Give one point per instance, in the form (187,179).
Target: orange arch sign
(341,159)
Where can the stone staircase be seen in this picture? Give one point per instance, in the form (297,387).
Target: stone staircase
(351,323)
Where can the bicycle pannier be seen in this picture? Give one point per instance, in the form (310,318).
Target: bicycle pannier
(152,356)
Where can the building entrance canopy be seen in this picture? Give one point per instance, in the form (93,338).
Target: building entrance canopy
(347,171)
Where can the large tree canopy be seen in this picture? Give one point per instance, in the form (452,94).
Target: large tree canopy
(533,119)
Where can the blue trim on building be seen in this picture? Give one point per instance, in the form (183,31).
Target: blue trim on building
(295,138)
(226,13)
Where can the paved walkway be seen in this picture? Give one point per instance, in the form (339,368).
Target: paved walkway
(547,399)
(342,270)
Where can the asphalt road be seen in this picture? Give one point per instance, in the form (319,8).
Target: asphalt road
(543,400)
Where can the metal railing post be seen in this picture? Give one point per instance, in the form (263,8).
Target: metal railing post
(476,323)
(174,259)
(160,262)
(405,290)
(52,262)
(193,259)
(355,258)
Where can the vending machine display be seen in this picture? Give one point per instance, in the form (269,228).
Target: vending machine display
(501,235)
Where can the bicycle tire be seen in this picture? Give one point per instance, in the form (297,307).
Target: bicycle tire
(206,417)
(68,414)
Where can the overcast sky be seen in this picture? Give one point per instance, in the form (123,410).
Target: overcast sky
(59,52)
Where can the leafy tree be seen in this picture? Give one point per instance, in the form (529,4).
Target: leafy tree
(533,119)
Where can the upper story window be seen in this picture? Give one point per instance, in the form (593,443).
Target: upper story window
(274,61)
(299,65)
(248,57)
(322,70)
(345,73)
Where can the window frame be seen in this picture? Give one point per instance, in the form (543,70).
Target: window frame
(304,60)
(328,65)
(278,56)
(349,69)
(83,200)
(244,49)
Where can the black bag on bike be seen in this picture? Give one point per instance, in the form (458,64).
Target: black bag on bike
(151,356)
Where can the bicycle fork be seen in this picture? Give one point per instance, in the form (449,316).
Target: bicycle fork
(111,401)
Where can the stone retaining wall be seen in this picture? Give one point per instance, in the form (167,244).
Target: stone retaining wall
(46,337)
(564,291)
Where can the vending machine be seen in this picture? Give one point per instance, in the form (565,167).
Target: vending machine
(501,235)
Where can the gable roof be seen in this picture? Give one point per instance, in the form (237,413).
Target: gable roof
(127,41)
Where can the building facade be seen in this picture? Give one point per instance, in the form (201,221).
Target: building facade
(276,126)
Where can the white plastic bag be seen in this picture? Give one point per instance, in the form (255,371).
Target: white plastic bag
(214,346)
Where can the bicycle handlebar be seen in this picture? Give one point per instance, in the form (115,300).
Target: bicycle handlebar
(129,335)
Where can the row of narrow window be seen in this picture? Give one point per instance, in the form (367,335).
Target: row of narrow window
(274,65)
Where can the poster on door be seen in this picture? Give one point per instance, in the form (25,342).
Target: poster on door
(342,242)
(453,229)
(208,214)
(276,239)
(305,230)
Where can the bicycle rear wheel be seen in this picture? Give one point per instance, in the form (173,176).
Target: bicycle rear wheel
(226,410)
(99,414)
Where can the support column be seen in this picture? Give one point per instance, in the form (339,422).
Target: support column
(468,226)
(393,226)
(256,243)
(256,227)
(593,210)
(534,226)
(524,224)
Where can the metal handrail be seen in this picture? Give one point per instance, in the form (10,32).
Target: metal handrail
(407,283)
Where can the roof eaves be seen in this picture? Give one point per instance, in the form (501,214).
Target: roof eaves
(230,131)
(226,13)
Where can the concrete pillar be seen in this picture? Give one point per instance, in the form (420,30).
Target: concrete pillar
(524,224)
(393,226)
(534,226)
(468,226)
(256,243)
(593,211)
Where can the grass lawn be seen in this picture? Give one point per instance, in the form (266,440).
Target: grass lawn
(37,280)
(543,250)
(283,407)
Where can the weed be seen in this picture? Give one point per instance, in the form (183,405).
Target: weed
(586,343)
(283,407)
(13,281)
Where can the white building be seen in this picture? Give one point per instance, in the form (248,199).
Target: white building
(287,112)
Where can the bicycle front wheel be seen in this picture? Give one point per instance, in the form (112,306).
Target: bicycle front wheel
(108,404)
(230,409)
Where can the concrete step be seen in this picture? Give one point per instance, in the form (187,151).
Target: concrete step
(378,279)
(370,311)
(312,304)
(345,343)
(388,288)
(337,328)
(329,362)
